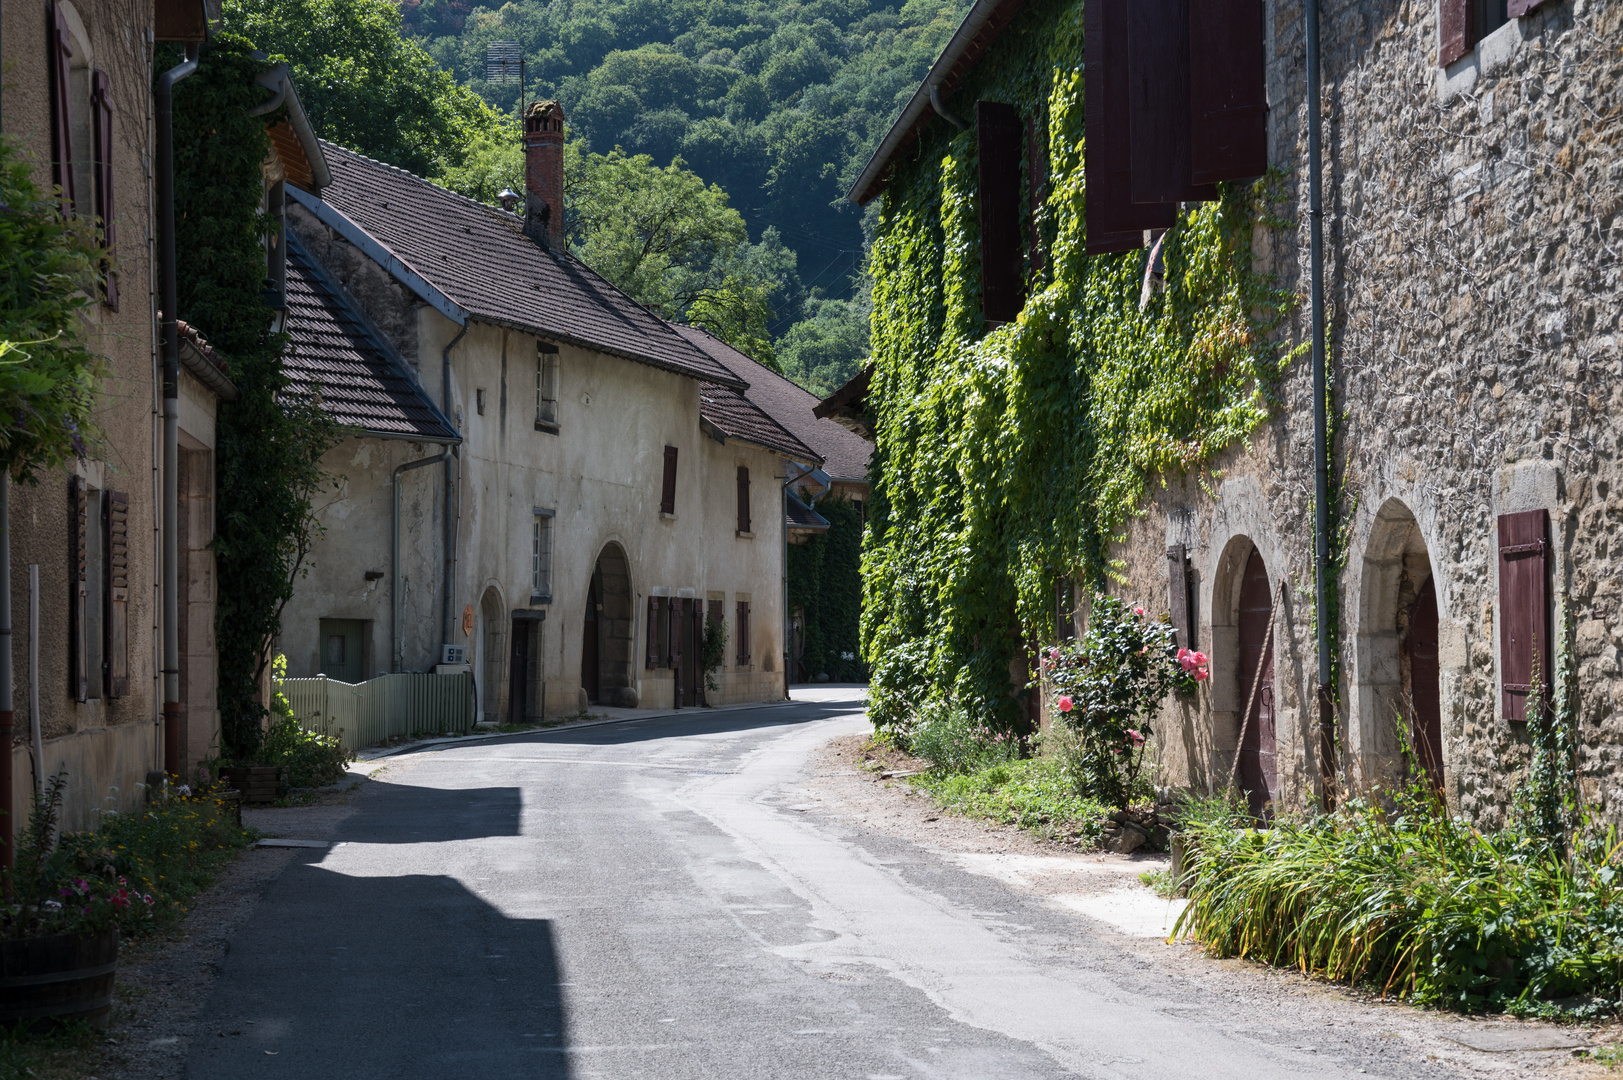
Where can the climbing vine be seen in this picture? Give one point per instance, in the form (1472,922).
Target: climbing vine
(825,585)
(1008,458)
(268,444)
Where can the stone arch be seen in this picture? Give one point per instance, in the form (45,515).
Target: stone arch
(1239,640)
(492,648)
(609,629)
(1394,574)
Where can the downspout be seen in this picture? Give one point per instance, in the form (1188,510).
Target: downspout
(1321,439)
(941,109)
(171,408)
(396,633)
(7,714)
(452,457)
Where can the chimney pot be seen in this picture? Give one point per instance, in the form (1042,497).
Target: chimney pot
(544,174)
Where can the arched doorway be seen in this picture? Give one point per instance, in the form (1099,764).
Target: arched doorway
(1397,670)
(491,642)
(607,630)
(1259,774)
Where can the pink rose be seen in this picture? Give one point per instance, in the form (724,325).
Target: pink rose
(1065,703)
(1053,654)
(1139,612)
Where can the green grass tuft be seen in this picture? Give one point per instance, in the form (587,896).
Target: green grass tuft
(1032,794)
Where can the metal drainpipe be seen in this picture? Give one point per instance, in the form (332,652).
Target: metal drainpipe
(396,636)
(452,458)
(171,407)
(942,111)
(1321,440)
(7,713)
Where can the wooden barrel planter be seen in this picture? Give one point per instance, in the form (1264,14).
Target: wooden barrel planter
(57,979)
(259,784)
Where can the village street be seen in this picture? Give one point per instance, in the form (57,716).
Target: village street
(679,897)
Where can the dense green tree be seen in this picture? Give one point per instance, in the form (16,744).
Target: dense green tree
(825,349)
(363,84)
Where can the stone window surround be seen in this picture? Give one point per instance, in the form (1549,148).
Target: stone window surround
(1491,54)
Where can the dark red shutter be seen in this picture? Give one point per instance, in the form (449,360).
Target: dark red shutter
(997,151)
(1515,9)
(1228,94)
(116,591)
(673,612)
(653,632)
(1178,595)
(743,499)
(742,653)
(101,105)
(1455,35)
(1158,102)
(78,588)
(61,52)
(667,491)
(1114,221)
(1524,608)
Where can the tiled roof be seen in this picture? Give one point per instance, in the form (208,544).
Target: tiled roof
(845,454)
(363,384)
(478,257)
(735,417)
(802,518)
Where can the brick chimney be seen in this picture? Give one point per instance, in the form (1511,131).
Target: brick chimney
(544,174)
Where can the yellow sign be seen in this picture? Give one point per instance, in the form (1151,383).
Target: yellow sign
(467,620)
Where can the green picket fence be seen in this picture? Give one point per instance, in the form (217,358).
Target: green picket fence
(367,713)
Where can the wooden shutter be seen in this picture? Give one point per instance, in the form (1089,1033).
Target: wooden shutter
(743,499)
(78,589)
(1228,95)
(742,628)
(61,52)
(997,151)
(1524,608)
(667,491)
(116,594)
(1178,595)
(1455,35)
(673,610)
(101,107)
(653,632)
(1114,221)
(1515,9)
(1158,102)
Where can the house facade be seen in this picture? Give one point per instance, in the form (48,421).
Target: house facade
(542,476)
(1472,292)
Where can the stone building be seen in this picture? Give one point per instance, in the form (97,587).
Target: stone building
(592,485)
(1472,181)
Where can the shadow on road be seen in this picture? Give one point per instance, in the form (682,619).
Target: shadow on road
(398,977)
(424,815)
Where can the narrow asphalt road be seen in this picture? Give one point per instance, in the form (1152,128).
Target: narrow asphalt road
(644,899)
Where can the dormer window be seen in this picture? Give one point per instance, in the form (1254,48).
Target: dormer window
(546,387)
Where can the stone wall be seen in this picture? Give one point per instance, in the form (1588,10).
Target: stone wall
(1472,269)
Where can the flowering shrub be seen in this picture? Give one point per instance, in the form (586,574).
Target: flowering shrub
(1108,688)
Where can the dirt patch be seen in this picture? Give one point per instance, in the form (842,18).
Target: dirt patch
(848,780)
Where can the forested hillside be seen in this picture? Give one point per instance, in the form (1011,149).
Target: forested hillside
(777,103)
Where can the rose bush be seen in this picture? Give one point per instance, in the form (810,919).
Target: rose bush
(1109,686)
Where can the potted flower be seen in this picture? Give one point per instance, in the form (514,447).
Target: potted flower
(59,927)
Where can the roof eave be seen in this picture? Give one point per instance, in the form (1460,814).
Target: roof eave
(193,360)
(964,42)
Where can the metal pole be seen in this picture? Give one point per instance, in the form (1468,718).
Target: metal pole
(33,677)
(1321,438)
(8,854)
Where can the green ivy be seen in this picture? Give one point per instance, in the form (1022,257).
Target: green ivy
(48,373)
(1007,459)
(268,445)
(825,585)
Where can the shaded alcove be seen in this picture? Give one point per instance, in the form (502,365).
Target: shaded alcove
(1243,696)
(607,630)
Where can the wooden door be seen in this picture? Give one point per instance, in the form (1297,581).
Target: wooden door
(1427,722)
(518,672)
(691,640)
(590,670)
(341,649)
(1258,765)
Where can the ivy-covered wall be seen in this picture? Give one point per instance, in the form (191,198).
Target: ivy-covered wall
(1009,458)
(825,586)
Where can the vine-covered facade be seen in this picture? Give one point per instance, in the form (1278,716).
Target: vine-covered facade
(1145,423)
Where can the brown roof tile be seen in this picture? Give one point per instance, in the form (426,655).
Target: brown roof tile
(845,454)
(478,257)
(734,415)
(362,383)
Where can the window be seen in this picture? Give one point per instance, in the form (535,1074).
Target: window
(742,629)
(1463,23)
(546,386)
(87,582)
(744,501)
(998,134)
(479,400)
(541,557)
(667,487)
